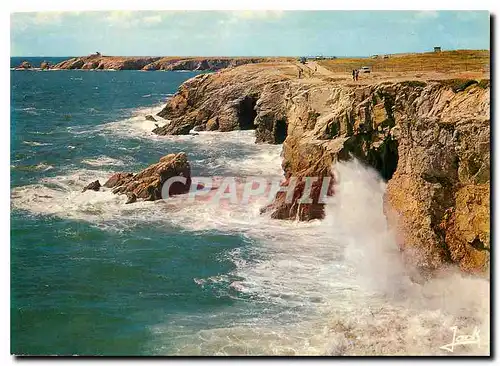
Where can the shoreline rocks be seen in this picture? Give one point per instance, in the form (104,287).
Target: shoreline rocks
(45,65)
(25,65)
(148,183)
(99,62)
(241,98)
(94,186)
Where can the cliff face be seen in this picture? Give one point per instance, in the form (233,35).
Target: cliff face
(211,64)
(105,63)
(98,62)
(429,139)
(239,98)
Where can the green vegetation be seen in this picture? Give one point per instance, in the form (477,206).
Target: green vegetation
(484,83)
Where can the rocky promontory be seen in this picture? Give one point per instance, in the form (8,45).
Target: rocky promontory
(100,62)
(428,138)
(25,65)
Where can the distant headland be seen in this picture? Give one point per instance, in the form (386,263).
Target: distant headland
(97,61)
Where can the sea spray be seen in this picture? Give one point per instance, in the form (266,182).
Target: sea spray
(336,286)
(396,315)
(343,287)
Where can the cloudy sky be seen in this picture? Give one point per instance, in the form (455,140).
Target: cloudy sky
(245,33)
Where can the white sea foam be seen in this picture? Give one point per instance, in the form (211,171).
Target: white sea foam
(36,143)
(340,283)
(62,196)
(103,161)
(44,167)
(41,166)
(135,126)
(41,133)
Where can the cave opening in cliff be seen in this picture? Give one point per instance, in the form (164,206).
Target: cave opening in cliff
(247,113)
(385,160)
(280,131)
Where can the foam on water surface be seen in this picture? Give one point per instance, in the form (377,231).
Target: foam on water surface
(332,287)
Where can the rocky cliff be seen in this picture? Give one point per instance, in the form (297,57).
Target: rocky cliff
(99,62)
(430,139)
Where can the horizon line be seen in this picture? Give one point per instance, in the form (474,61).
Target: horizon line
(267,56)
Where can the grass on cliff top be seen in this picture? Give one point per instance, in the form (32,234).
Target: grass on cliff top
(446,61)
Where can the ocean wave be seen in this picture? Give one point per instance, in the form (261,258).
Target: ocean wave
(41,133)
(135,126)
(42,167)
(332,287)
(341,285)
(103,161)
(36,143)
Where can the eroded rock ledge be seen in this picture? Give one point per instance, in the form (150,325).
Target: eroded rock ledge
(147,184)
(429,139)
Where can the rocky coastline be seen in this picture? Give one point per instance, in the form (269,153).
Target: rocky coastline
(429,139)
(100,62)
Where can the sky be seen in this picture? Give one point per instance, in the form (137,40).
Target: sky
(246,33)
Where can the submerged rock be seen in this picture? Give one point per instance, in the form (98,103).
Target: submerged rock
(131,198)
(94,186)
(148,183)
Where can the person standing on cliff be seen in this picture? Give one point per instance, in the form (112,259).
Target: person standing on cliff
(353,75)
(356,74)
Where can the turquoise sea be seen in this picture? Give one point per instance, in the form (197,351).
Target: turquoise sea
(89,274)
(93,276)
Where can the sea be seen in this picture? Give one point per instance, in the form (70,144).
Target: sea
(91,275)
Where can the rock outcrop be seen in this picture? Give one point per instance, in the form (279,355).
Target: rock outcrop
(147,184)
(200,64)
(240,98)
(45,65)
(99,62)
(430,139)
(25,65)
(94,186)
(430,142)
